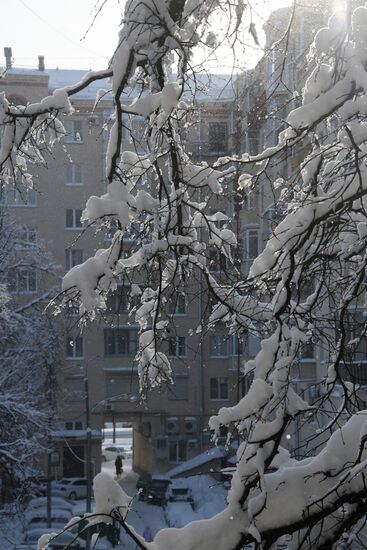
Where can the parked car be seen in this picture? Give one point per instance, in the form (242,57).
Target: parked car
(37,517)
(153,490)
(71,488)
(56,502)
(58,543)
(179,491)
(111,452)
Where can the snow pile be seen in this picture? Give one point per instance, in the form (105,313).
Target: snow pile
(109,498)
(210,497)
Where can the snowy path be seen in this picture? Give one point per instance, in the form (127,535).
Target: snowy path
(141,514)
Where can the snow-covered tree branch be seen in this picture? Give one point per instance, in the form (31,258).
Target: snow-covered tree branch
(302,288)
(29,342)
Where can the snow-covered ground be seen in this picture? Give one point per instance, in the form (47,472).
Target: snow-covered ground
(209,499)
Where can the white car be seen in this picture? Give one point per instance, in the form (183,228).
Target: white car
(179,491)
(60,542)
(56,502)
(71,488)
(37,517)
(111,452)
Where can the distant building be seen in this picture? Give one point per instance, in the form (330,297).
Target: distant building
(172,426)
(235,115)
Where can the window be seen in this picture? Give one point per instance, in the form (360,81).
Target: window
(219,388)
(120,341)
(12,196)
(73,425)
(161,442)
(74,131)
(177,346)
(253,142)
(73,218)
(22,281)
(73,174)
(251,243)
(307,350)
(179,390)
(73,257)
(26,237)
(177,450)
(177,304)
(272,216)
(219,346)
(217,137)
(118,301)
(237,346)
(74,347)
(74,390)
(248,202)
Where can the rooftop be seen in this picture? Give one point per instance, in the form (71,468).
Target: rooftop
(207,87)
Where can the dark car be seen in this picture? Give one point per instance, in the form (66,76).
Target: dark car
(153,490)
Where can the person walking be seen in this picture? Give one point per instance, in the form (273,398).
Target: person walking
(118,466)
(147,534)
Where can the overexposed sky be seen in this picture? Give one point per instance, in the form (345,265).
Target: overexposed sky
(57,28)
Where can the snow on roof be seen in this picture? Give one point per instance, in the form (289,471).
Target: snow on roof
(199,460)
(205,86)
(75,434)
(211,87)
(60,78)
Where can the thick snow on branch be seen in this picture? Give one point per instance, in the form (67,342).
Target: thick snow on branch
(295,496)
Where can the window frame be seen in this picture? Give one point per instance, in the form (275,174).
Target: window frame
(131,341)
(69,260)
(178,341)
(117,298)
(26,243)
(220,380)
(71,182)
(74,344)
(174,304)
(17,201)
(74,226)
(249,232)
(213,347)
(179,445)
(79,393)
(71,132)
(217,140)
(16,289)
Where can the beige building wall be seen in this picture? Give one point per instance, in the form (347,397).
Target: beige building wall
(171,426)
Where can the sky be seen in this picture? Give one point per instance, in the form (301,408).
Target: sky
(56,29)
(65,32)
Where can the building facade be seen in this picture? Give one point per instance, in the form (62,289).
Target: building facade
(171,425)
(235,115)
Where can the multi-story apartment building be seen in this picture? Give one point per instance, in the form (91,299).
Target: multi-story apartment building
(238,115)
(171,426)
(266,95)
